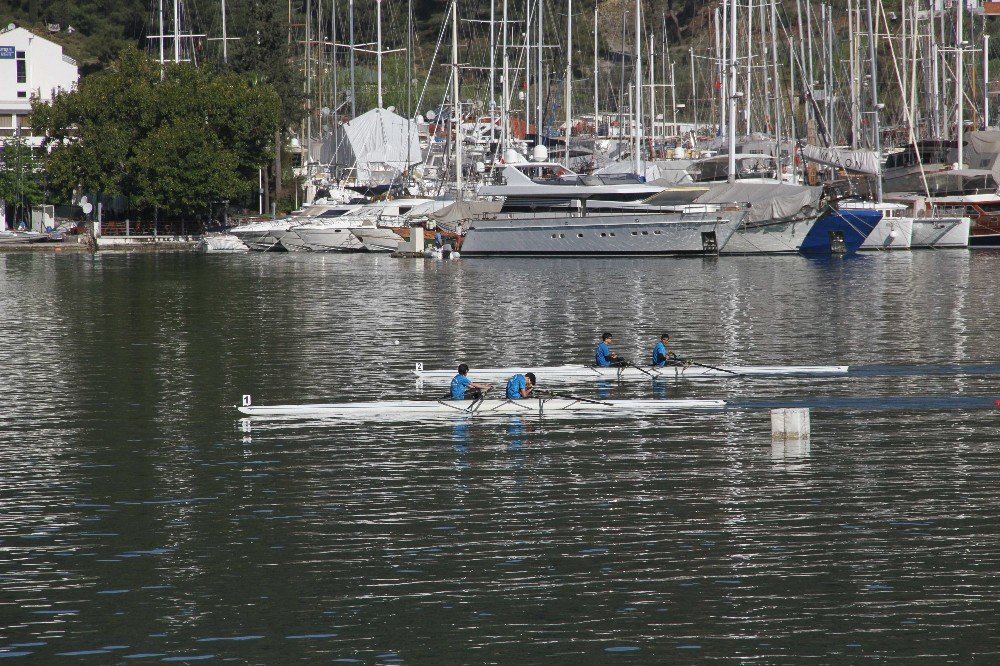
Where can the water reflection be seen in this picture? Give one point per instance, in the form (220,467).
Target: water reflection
(136,511)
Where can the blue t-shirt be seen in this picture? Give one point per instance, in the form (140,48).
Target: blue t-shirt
(602,356)
(660,354)
(458,386)
(514,386)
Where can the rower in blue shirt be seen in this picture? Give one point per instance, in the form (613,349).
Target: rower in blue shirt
(661,357)
(604,357)
(520,386)
(463,388)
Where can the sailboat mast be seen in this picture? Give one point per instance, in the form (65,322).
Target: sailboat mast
(637,107)
(378,48)
(350,18)
(731,126)
(505,92)
(875,104)
(569,77)
(960,82)
(457,114)
(493,66)
(597,122)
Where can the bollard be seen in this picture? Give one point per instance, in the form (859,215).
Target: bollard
(790,423)
(417,240)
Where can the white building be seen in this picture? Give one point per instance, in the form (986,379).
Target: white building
(30,66)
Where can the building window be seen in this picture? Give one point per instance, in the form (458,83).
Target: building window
(21,93)
(22,68)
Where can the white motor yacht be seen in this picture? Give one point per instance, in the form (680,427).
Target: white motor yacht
(336,235)
(549,210)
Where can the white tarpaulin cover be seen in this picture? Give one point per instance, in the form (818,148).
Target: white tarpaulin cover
(452,213)
(859,161)
(769,202)
(376,142)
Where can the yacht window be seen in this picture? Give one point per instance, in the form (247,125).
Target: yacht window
(603,235)
(635,233)
(657,233)
(645,233)
(579,235)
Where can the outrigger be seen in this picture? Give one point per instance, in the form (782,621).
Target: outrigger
(583,373)
(420,409)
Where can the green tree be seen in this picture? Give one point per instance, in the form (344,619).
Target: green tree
(171,142)
(263,54)
(20,181)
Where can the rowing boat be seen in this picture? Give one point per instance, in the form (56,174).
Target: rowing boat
(591,373)
(418,409)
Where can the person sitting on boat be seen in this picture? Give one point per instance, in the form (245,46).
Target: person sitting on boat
(604,357)
(463,388)
(662,357)
(520,386)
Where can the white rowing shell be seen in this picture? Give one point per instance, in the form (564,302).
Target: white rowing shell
(433,408)
(591,373)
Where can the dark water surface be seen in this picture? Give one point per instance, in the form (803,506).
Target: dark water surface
(139,522)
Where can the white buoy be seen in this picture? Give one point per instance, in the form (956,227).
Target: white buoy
(790,423)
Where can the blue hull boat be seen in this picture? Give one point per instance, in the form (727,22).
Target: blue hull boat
(840,231)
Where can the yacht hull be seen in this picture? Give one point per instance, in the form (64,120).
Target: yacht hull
(769,238)
(601,235)
(378,239)
(337,239)
(941,232)
(891,233)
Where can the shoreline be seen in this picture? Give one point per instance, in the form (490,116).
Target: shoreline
(111,244)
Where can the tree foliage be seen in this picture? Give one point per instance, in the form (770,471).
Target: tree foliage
(264,55)
(20,182)
(173,144)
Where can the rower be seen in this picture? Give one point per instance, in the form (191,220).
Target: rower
(520,386)
(604,357)
(463,388)
(661,357)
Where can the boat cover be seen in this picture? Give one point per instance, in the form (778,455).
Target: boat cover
(375,141)
(768,202)
(858,161)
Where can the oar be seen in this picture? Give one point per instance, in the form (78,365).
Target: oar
(630,364)
(565,396)
(710,367)
(473,408)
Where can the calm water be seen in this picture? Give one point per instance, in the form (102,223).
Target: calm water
(140,522)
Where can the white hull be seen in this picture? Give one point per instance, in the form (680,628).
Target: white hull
(330,239)
(260,239)
(601,234)
(591,373)
(291,241)
(20,237)
(891,233)
(378,239)
(772,238)
(420,409)
(941,232)
(220,244)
